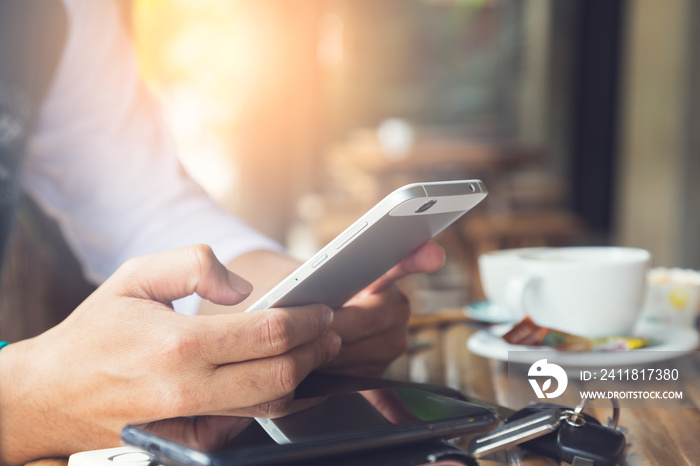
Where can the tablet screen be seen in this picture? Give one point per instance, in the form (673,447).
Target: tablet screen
(328,425)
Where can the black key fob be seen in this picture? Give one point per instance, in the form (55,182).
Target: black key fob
(602,445)
(547,444)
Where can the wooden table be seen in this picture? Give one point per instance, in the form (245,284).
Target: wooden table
(655,436)
(663,436)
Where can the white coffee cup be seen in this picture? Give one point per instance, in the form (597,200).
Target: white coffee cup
(586,291)
(496,269)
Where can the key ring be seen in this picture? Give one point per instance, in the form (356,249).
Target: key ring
(575,418)
(612,422)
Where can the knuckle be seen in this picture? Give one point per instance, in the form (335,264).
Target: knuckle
(131,269)
(127,278)
(276,332)
(130,265)
(203,257)
(179,346)
(286,377)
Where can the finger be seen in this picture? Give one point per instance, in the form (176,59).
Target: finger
(428,258)
(230,338)
(368,315)
(375,353)
(264,380)
(175,274)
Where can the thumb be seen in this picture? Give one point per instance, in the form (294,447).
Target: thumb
(175,274)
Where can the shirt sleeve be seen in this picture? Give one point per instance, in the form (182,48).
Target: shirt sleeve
(102,163)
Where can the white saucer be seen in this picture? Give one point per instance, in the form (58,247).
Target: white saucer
(668,342)
(486,311)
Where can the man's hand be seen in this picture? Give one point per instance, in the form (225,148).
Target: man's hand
(123,356)
(372,325)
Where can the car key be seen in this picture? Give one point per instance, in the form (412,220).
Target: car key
(581,442)
(514,433)
(545,445)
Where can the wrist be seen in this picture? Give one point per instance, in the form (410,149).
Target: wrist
(22,418)
(11,384)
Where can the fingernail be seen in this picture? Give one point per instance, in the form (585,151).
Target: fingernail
(334,342)
(328,315)
(239,284)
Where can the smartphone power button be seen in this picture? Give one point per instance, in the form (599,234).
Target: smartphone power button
(319,261)
(350,234)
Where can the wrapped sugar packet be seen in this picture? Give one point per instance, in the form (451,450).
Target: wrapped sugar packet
(672,296)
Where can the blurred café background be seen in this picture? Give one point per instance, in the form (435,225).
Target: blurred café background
(581,116)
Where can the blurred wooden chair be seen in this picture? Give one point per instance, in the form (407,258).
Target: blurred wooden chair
(41,282)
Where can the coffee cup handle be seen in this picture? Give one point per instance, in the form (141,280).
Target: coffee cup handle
(516,291)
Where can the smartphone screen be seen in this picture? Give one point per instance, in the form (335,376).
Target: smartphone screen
(335,424)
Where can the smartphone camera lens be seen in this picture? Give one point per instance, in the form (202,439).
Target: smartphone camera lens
(426,206)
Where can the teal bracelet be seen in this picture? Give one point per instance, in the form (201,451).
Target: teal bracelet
(4,344)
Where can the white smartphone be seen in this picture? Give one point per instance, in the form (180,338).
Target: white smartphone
(380,239)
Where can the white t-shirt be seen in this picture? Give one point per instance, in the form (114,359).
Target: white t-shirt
(102,162)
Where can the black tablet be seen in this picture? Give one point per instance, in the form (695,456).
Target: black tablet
(335,424)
